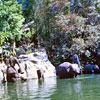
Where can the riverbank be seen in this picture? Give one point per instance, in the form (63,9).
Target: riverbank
(30,64)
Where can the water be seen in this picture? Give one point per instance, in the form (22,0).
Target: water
(84,87)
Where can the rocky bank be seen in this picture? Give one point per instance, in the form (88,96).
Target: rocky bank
(30,63)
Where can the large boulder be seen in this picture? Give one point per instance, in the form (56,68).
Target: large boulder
(30,65)
(37,61)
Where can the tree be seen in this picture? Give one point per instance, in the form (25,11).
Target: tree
(46,31)
(10,20)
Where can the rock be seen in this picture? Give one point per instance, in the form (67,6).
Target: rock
(38,60)
(30,64)
(3,68)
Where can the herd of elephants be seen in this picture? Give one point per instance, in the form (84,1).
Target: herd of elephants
(64,70)
(71,70)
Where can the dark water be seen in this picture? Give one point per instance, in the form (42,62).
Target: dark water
(84,87)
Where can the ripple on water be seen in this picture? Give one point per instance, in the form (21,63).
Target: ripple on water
(84,87)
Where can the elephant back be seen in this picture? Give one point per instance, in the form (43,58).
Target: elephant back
(65,64)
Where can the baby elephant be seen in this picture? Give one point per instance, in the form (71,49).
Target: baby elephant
(67,70)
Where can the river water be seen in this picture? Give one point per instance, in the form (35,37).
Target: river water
(84,87)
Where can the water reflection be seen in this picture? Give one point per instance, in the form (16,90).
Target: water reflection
(3,91)
(68,89)
(78,89)
(30,90)
(85,87)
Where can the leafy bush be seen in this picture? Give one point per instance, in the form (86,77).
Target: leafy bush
(10,20)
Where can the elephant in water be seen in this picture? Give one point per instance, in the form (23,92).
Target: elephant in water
(12,75)
(90,68)
(67,70)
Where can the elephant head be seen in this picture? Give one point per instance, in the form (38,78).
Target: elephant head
(74,70)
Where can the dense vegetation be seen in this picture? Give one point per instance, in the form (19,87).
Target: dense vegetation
(56,27)
(10,25)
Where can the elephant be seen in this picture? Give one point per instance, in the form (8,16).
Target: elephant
(67,70)
(13,75)
(91,68)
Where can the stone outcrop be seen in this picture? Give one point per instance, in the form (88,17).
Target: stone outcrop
(30,63)
(3,68)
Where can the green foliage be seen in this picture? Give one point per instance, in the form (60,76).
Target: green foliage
(3,36)
(29,51)
(45,20)
(98,9)
(30,9)
(29,34)
(66,8)
(72,35)
(44,16)
(10,20)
